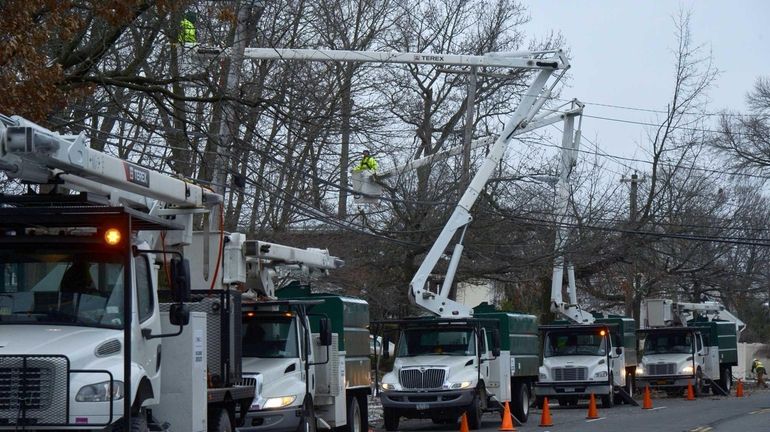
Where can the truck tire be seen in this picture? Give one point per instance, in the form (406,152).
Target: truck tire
(475,413)
(520,401)
(220,422)
(307,423)
(357,421)
(390,417)
(608,400)
(139,423)
(698,387)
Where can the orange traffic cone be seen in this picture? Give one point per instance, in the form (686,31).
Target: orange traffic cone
(690,392)
(545,418)
(739,389)
(647,404)
(464,423)
(593,413)
(507,424)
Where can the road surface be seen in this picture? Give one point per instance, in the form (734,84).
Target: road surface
(708,414)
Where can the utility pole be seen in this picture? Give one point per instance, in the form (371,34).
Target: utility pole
(469,112)
(633,215)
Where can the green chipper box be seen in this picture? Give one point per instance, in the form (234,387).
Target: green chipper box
(349,319)
(519,336)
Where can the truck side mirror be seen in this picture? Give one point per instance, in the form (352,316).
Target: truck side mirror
(325,332)
(180,280)
(179,314)
(495,343)
(618,351)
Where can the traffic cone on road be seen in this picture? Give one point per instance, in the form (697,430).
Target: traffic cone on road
(507,424)
(464,423)
(647,403)
(545,418)
(593,413)
(690,392)
(739,389)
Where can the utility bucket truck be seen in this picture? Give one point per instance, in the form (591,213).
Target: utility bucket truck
(683,343)
(447,366)
(581,359)
(310,350)
(85,343)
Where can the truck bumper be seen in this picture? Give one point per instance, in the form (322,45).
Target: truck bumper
(427,404)
(664,381)
(279,420)
(575,388)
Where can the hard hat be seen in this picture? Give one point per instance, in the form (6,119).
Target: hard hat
(365,151)
(756,359)
(191,16)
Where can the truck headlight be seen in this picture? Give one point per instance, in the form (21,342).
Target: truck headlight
(600,374)
(279,402)
(460,385)
(100,392)
(386,386)
(687,369)
(640,370)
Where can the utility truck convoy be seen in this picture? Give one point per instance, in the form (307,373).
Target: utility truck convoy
(311,351)
(85,342)
(688,343)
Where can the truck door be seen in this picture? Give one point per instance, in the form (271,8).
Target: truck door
(617,361)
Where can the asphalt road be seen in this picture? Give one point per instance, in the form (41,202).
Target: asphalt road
(708,414)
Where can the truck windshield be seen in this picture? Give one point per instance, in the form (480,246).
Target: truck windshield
(680,343)
(454,342)
(567,344)
(270,336)
(69,287)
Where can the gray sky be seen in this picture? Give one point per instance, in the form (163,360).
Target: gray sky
(621,54)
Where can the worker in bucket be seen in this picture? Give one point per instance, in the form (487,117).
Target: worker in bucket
(367,163)
(187,31)
(759,369)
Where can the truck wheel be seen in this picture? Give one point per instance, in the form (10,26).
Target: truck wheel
(474,414)
(356,419)
(390,416)
(139,423)
(520,402)
(307,422)
(220,422)
(698,383)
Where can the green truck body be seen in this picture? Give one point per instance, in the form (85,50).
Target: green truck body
(349,318)
(721,334)
(518,334)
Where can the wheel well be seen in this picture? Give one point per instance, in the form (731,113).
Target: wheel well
(143,393)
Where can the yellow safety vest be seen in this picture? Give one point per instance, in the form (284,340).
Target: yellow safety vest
(187,35)
(367,163)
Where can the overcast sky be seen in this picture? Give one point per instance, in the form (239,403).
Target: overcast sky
(621,54)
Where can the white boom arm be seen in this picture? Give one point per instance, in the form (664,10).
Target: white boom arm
(544,62)
(569,310)
(667,313)
(35,154)
(263,258)
(438,301)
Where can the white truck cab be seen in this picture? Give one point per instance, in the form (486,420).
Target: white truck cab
(579,360)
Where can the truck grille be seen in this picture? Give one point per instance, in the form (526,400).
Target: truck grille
(570,374)
(33,390)
(32,386)
(661,369)
(422,378)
